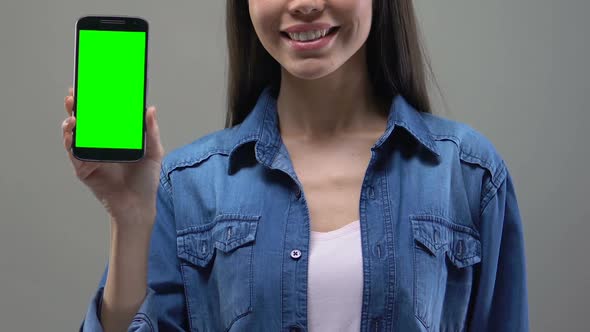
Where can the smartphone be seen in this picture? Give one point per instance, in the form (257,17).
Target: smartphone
(110,88)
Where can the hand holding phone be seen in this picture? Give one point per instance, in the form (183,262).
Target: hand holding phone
(122,188)
(126,190)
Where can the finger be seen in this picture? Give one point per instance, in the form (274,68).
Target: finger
(67,126)
(82,169)
(155,150)
(69,104)
(70,91)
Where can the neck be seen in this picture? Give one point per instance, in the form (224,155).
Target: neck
(341,103)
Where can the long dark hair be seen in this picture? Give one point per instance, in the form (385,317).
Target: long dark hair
(396,60)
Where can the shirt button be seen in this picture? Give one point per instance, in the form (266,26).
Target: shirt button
(371,192)
(297,193)
(460,248)
(295,253)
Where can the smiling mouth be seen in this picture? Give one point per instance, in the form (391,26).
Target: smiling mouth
(307,39)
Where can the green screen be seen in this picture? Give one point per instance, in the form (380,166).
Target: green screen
(110,89)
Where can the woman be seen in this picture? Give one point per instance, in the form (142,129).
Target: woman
(332,201)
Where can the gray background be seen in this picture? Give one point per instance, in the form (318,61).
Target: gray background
(515,70)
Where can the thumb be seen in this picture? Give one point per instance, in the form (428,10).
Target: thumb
(154,147)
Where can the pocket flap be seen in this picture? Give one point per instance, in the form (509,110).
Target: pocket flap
(465,249)
(226,232)
(438,235)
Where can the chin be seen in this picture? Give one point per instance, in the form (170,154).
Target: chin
(309,71)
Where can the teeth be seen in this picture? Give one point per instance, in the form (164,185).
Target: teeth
(308,35)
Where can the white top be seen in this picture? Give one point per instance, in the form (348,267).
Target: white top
(335,280)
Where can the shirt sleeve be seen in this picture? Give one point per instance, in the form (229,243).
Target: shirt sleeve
(501,301)
(163,308)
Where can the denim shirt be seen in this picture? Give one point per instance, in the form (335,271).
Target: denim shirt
(442,238)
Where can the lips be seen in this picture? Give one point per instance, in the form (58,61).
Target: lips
(309,46)
(309,30)
(308,27)
(309,35)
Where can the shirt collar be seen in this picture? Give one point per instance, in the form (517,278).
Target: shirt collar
(261,126)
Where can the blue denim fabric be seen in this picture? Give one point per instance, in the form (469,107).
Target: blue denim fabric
(442,238)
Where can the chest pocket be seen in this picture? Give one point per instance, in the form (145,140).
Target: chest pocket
(444,255)
(217,271)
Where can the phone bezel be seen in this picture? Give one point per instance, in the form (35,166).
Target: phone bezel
(111,23)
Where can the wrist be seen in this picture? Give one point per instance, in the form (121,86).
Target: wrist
(133,217)
(136,228)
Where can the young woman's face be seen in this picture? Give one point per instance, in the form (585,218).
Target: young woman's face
(346,24)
